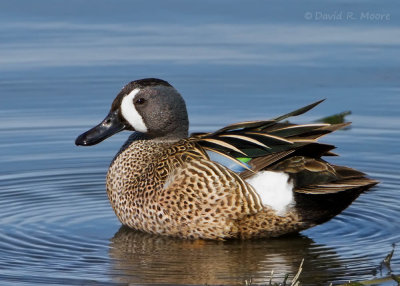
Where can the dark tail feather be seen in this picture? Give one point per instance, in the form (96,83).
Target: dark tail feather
(317,207)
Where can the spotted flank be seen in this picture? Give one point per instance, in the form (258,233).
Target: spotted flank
(251,179)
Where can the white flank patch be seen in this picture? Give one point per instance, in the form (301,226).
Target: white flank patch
(274,189)
(130,113)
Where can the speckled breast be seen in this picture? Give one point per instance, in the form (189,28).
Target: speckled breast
(136,178)
(131,186)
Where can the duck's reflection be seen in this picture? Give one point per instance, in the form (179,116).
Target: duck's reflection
(140,258)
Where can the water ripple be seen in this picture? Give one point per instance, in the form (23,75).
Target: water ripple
(52,217)
(57,226)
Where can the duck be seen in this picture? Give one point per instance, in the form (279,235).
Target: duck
(253,179)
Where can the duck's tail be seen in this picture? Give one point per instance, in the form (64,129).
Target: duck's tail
(318,203)
(315,203)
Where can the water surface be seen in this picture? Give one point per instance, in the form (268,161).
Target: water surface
(61,66)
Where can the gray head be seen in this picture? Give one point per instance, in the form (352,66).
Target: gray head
(149,106)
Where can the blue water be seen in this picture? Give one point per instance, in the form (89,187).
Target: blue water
(63,62)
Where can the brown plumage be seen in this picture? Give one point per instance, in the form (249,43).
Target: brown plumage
(165,182)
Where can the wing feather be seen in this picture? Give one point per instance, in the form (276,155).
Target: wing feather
(267,143)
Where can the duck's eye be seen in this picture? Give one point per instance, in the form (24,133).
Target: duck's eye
(140,100)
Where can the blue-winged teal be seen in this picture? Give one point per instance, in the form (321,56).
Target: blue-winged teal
(163,181)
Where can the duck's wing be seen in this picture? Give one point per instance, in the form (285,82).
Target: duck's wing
(316,176)
(266,142)
(276,145)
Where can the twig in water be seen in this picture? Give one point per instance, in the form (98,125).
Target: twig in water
(295,281)
(388,258)
(270,279)
(249,282)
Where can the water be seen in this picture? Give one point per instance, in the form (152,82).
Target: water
(62,63)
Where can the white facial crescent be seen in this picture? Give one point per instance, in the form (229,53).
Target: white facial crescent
(130,113)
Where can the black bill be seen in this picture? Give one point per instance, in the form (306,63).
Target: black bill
(108,127)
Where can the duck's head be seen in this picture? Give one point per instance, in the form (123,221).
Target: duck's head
(149,106)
